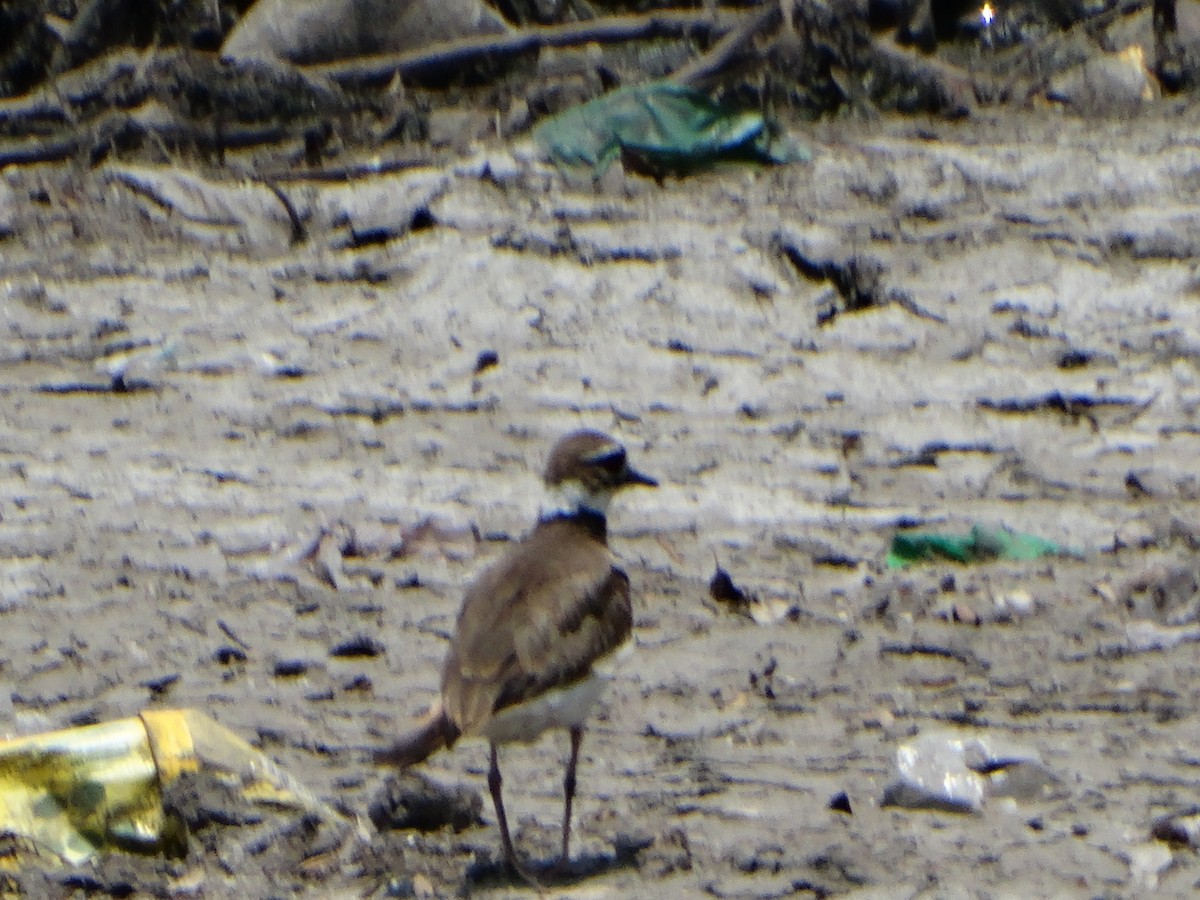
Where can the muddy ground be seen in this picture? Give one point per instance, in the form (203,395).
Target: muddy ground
(1026,356)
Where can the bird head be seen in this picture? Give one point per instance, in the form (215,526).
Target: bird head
(585,470)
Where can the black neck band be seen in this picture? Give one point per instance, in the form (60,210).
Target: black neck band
(590,519)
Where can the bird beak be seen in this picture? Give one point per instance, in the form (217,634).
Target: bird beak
(633,476)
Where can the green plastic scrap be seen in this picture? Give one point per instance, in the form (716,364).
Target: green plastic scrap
(978,545)
(669,125)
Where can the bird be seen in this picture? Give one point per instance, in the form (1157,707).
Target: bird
(537,627)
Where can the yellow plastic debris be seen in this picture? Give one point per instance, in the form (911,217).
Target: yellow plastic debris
(80,791)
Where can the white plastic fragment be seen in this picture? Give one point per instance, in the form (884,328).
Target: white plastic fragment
(1147,862)
(140,363)
(949,771)
(1017,602)
(1144,635)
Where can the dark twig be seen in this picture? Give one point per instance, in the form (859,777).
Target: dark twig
(448,54)
(299,232)
(718,57)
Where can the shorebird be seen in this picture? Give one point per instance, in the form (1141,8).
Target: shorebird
(536,627)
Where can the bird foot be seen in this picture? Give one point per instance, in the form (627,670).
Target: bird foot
(524,874)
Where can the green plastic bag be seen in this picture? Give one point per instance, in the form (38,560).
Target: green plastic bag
(666,125)
(978,545)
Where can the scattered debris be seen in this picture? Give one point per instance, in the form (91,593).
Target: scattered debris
(129,368)
(819,256)
(660,127)
(1014,602)
(1076,406)
(1164,603)
(486,360)
(722,589)
(965,615)
(274,365)
(89,790)
(361,646)
(946,771)
(764,611)
(1143,635)
(1147,861)
(966,657)
(291,668)
(411,800)
(1181,828)
(1168,594)
(764,682)
(138,365)
(980,544)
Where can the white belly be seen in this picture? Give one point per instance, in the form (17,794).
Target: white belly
(564,707)
(561,708)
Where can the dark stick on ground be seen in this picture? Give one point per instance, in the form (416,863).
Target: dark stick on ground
(452,54)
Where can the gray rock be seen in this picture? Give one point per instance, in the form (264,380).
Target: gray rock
(314,31)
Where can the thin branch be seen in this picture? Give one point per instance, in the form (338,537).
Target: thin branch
(613,29)
(718,57)
(299,232)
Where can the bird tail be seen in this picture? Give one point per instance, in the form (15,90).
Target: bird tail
(434,732)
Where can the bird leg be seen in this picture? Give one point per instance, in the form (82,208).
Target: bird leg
(494,782)
(510,855)
(569,792)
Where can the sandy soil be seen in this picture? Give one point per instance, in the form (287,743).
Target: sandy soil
(1027,356)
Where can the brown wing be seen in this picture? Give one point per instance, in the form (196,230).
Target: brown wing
(538,618)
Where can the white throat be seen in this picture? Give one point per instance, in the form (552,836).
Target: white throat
(569,498)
